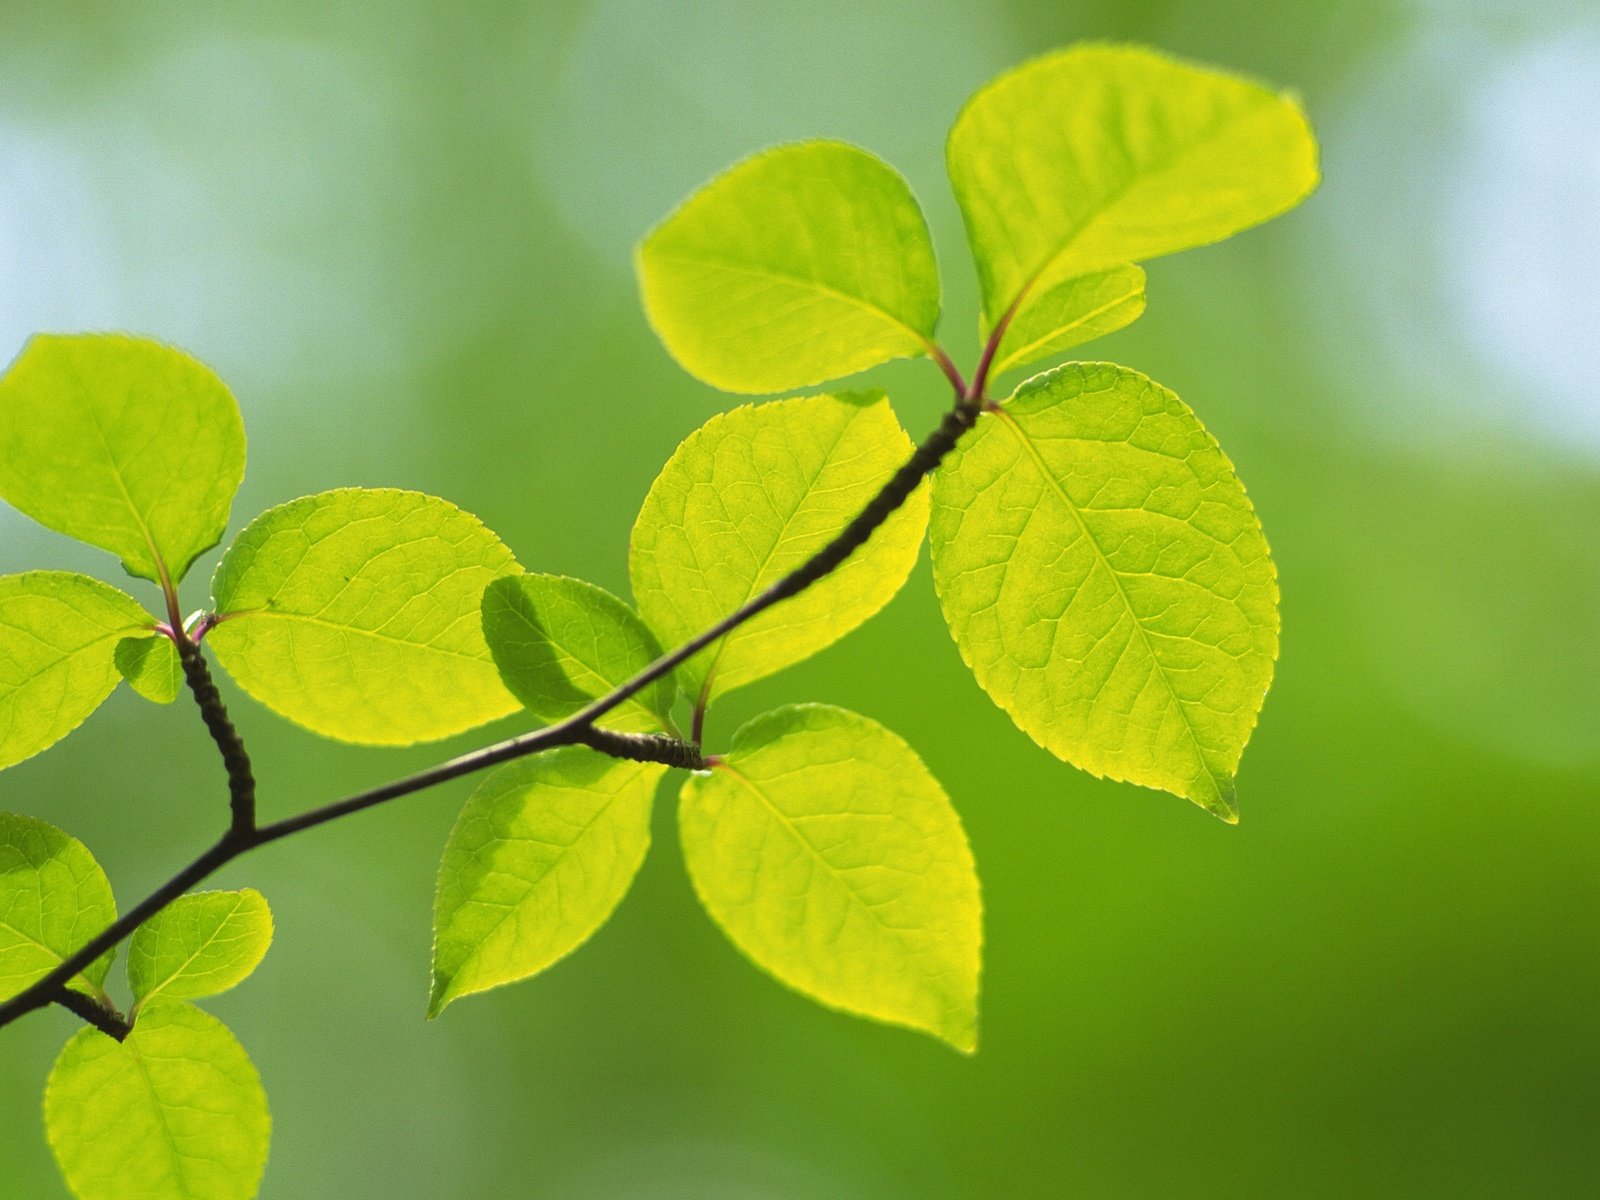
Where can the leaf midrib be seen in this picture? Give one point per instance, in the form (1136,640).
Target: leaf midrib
(755,584)
(448,993)
(800,281)
(181,1176)
(895,934)
(1010,422)
(1014,357)
(1132,181)
(354,629)
(201,949)
(75,652)
(116,473)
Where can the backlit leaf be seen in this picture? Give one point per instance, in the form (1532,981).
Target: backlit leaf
(58,641)
(151,666)
(801,264)
(746,499)
(1096,156)
(1105,577)
(831,857)
(542,855)
(199,945)
(561,642)
(53,899)
(123,443)
(176,1112)
(1072,312)
(356,613)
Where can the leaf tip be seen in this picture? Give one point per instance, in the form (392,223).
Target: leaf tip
(441,999)
(1225,804)
(963,1037)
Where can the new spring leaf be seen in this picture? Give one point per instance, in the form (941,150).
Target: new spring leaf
(123,443)
(53,898)
(541,856)
(746,499)
(561,642)
(59,637)
(175,1112)
(830,855)
(356,613)
(801,264)
(1105,577)
(1097,156)
(199,945)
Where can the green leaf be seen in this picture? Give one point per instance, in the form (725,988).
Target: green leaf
(58,637)
(175,1112)
(831,857)
(53,898)
(1105,577)
(1071,313)
(356,614)
(542,855)
(123,443)
(199,945)
(1097,156)
(746,499)
(560,643)
(151,666)
(801,264)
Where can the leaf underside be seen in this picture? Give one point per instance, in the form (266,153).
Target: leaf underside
(560,643)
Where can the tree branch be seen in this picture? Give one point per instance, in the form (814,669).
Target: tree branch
(579,729)
(241,777)
(102,1016)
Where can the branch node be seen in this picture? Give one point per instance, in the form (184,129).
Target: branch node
(241,776)
(644,747)
(97,1013)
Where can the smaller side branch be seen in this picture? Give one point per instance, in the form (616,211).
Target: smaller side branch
(102,1016)
(241,776)
(645,747)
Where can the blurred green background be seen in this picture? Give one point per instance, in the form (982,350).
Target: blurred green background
(402,233)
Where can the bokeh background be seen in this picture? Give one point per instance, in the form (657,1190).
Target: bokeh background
(403,234)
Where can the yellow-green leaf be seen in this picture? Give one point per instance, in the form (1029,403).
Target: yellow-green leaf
(58,642)
(1106,579)
(560,643)
(175,1112)
(123,443)
(151,666)
(540,858)
(53,898)
(356,613)
(827,852)
(746,499)
(1097,155)
(1070,313)
(801,264)
(200,945)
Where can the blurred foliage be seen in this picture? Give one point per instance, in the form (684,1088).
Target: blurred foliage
(404,240)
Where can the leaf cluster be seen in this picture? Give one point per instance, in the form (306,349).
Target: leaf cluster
(1096,558)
